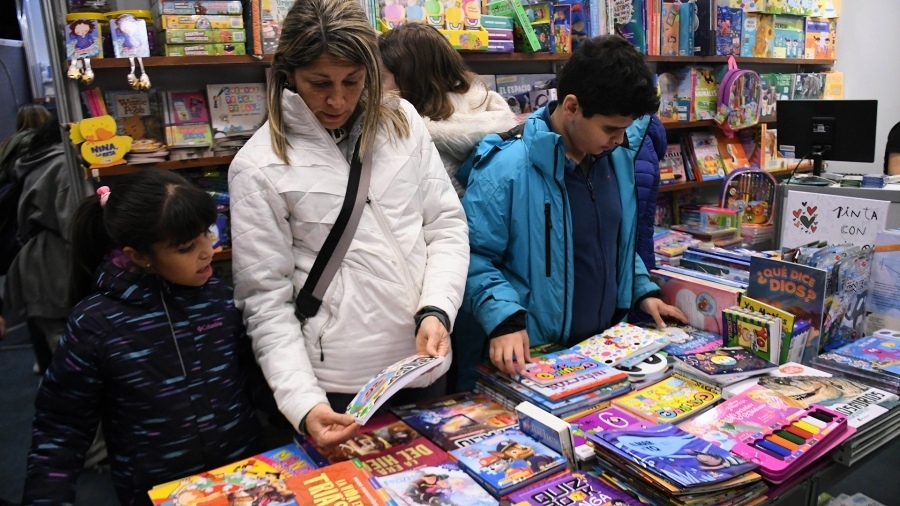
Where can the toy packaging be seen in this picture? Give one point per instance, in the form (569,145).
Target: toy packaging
(229,49)
(202,7)
(203,36)
(729,23)
(129,35)
(200,22)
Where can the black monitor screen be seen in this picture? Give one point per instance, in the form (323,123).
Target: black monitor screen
(841,130)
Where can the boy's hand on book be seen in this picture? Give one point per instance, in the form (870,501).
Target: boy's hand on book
(658,309)
(328,428)
(510,352)
(432,338)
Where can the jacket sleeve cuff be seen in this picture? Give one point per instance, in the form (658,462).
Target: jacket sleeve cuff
(514,323)
(437,312)
(654,293)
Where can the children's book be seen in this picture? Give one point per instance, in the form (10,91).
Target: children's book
(516,88)
(559,366)
(608,418)
(729,23)
(701,301)
(600,377)
(508,461)
(861,403)
(670,29)
(622,344)
(443,483)
(730,152)
(789,38)
(742,416)
(236,109)
(708,164)
(630,23)
(257,477)
(790,351)
(546,428)
(755,332)
(388,382)
(834,85)
(348,482)
(882,353)
(671,106)
(808,86)
(454,421)
(793,288)
(186,119)
(673,159)
(724,366)
(882,303)
(671,400)
(188,107)
(817,38)
(686,340)
(136,113)
(758,35)
(576,489)
(686,43)
(784,371)
(674,455)
(272,15)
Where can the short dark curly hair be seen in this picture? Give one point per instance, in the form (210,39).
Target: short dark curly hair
(608,76)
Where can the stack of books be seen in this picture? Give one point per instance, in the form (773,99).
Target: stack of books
(237,111)
(874,360)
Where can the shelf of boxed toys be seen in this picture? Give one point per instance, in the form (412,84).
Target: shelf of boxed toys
(717,182)
(117,170)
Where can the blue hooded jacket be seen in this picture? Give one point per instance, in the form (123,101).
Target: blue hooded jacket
(164,367)
(519,235)
(646,176)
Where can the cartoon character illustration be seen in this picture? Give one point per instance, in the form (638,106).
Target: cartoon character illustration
(83,33)
(394,13)
(129,28)
(431,489)
(713,462)
(814,389)
(453,14)
(414,11)
(514,450)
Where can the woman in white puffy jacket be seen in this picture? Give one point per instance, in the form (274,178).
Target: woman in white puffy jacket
(400,284)
(457,107)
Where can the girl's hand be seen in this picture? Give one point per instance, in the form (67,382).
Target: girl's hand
(328,428)
(432,338)
(656,308)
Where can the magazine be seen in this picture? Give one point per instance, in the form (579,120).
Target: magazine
(388,382)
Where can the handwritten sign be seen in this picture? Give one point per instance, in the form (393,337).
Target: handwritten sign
(810,217)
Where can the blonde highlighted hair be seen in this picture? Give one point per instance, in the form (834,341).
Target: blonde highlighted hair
(341,29)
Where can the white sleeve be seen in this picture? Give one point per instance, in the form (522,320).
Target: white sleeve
(264,265)
(445,228)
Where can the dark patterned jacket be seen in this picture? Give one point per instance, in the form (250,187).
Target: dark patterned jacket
(164,368)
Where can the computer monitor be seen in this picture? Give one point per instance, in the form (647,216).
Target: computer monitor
(838,130)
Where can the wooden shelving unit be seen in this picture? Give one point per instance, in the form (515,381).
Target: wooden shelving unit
(118,170)
(718,182)
(182,61)
(675,125)
(225,254)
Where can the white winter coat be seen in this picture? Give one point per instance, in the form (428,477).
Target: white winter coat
(473,118)
(410,250)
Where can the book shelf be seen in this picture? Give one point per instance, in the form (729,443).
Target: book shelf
(118,170)
(687,185)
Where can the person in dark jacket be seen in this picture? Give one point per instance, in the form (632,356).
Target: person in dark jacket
(155,348)
(646,179)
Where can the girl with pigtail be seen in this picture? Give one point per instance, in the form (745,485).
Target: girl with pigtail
(153,348)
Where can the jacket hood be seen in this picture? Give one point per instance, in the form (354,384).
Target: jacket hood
(476,113)
(38,159)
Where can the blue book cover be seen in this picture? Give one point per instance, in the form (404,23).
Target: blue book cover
(674,455)
(508,461)
(687,13)
(729,23)
(882,353)
(631,25)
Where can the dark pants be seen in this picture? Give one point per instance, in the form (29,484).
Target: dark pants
(339,402)
(44,334)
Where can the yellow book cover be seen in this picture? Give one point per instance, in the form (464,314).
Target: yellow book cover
(671,400)
(787,325)
(834,85)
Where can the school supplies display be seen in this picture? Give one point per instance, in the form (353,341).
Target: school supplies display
(263,475)
(508,462)
(723,366)
(442,483)
(759,333)
(457,420)
(572,488)
(792,443)
(671,400)
(345,481)
(622,344)
(388,382)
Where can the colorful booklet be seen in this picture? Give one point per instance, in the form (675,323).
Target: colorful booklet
(508,461)
(559,366)
(674,455)
(742,416)
(442,483)
(790,351)
(622,344)
(724,366)
(609,418)
(388,382)
(454,421)
(759,333)
(880,352)
(256,477)
(671,400)
(348,482)
(572,489)
(685,339)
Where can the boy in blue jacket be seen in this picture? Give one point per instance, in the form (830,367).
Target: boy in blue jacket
(553,216)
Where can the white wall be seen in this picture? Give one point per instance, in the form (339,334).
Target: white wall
(868,53)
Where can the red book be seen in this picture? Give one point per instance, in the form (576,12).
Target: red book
(344,483)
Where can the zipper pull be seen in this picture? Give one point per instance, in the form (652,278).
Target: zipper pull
(591,189)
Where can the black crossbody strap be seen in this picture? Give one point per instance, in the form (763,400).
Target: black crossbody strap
(338,241)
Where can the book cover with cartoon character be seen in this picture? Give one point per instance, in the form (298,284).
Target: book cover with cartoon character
(451,419)
(609,418)
(439,484)
(674,455)
(685,340)
(388,382)
(575,489)
(508,461)
(725,362)
(346,482)
(559,366)
(671,400)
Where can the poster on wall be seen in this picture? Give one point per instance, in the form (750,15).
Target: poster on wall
(810,217)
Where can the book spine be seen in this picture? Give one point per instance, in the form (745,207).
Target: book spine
(548,429)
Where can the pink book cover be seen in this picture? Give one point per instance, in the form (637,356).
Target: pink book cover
(701,301)
(189,107)
(744,416)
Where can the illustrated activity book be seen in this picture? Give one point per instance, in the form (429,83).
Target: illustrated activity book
(675,398)
(388,382)
(441,484)
(559,366)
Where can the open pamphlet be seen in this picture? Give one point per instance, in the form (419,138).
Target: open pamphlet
(388,382)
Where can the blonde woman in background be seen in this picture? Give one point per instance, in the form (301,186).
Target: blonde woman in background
(401,282)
